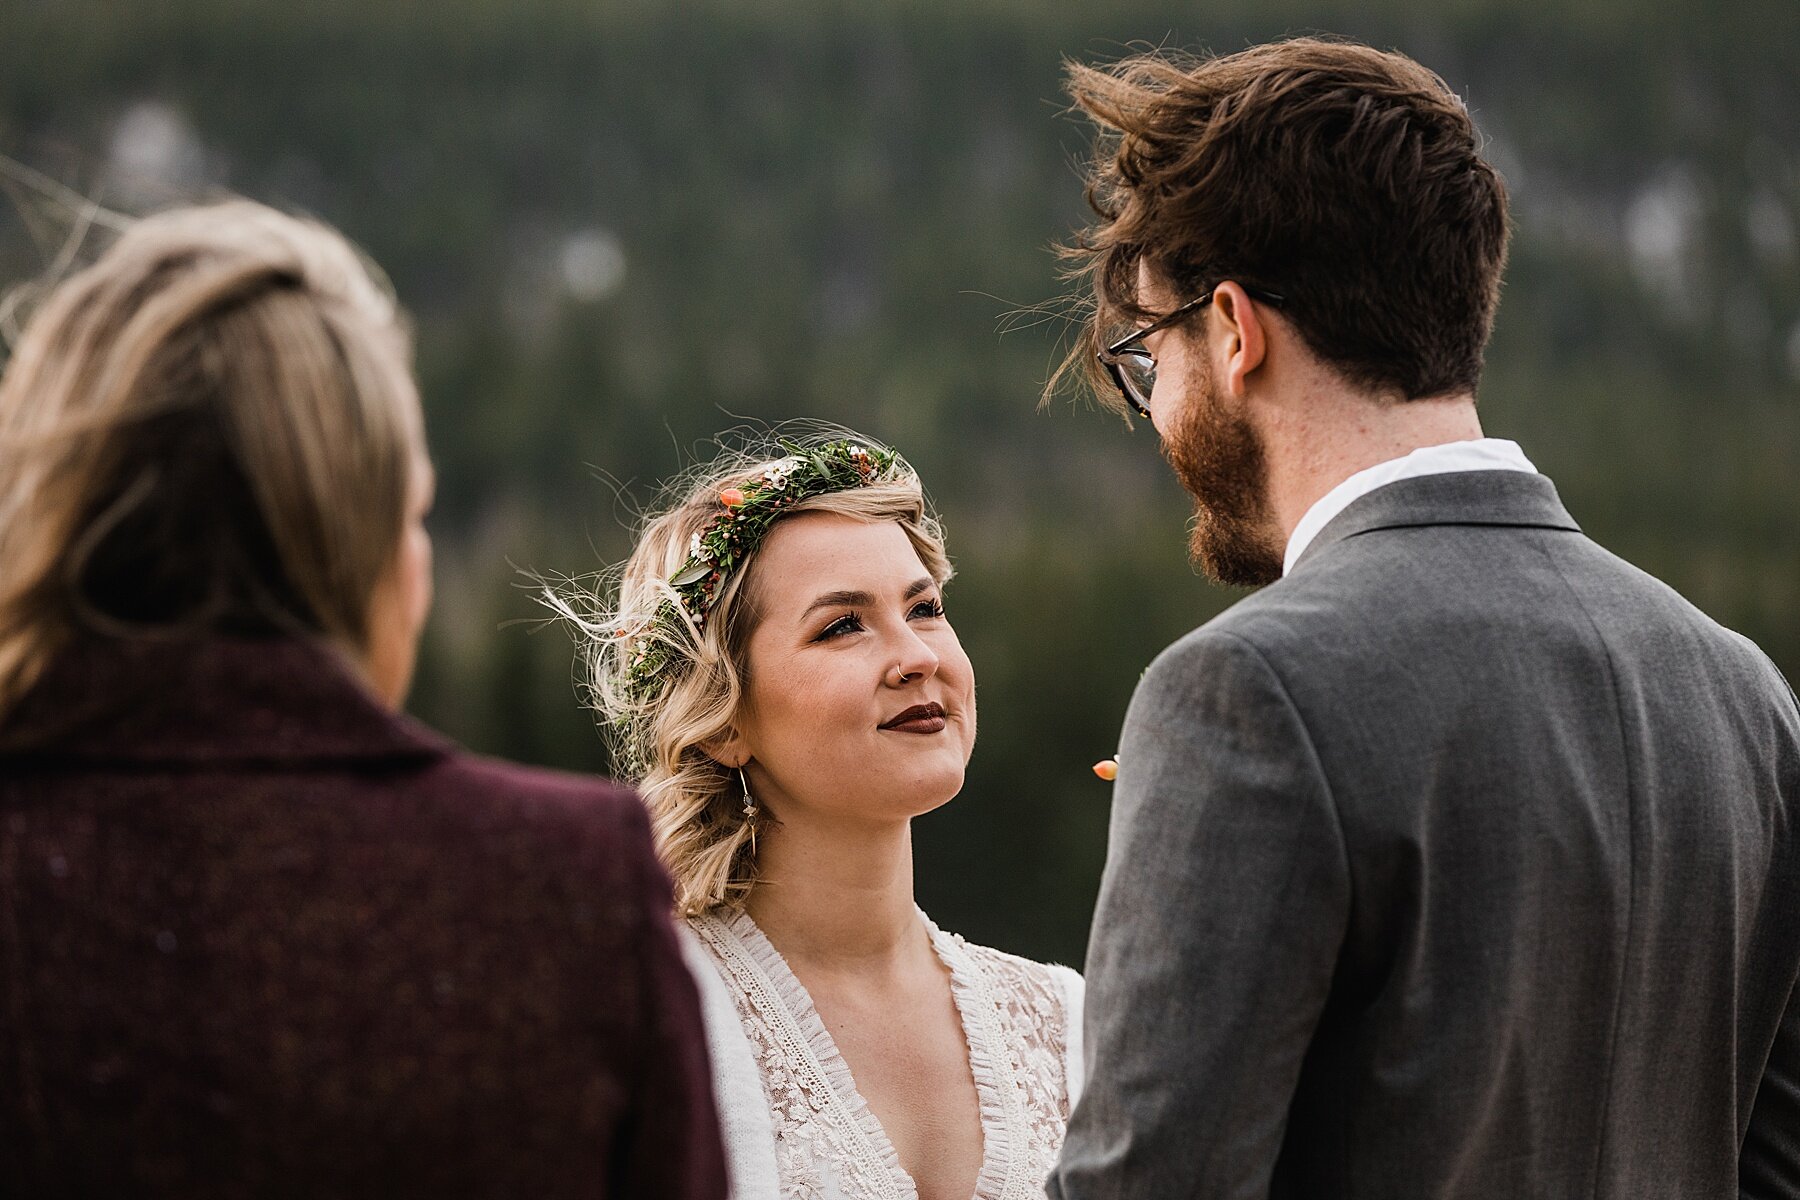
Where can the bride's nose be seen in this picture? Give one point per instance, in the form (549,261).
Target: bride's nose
(916,661)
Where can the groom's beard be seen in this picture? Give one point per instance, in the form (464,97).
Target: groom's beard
(1218,456)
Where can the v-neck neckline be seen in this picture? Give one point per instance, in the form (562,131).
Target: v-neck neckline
(977,1011)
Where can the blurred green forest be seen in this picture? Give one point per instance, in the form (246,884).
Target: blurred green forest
(623,227)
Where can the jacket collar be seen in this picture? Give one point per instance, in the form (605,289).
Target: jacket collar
(1458,498)
(208,702)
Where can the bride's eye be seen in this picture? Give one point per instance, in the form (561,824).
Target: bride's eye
(849,623)
(927,609)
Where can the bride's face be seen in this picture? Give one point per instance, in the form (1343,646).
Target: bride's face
(860,701)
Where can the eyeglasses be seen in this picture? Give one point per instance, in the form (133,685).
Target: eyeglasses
(1133,370)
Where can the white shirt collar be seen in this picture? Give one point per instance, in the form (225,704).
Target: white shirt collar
(1483,454)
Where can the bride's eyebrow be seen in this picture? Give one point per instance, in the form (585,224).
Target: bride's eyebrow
(840,600)
(856,599)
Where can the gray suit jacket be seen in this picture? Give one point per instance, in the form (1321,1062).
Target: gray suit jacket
(1463,862)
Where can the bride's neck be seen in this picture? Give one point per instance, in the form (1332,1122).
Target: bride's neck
(838,898)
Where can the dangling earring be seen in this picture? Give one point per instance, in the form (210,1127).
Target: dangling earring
(749,800)
(749,808)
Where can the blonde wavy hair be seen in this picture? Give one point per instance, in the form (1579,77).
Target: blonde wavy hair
(212,428)
(659,730)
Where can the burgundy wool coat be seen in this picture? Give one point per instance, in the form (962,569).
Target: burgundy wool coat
(261,937)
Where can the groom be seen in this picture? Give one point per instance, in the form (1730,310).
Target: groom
(1463,860)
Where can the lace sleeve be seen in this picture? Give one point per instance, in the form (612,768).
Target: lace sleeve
(744,1119)
(1035,1000)
(1074,990)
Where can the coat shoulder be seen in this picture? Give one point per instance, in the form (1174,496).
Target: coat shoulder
(486,791)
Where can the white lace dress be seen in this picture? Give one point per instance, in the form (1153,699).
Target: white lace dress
(795,1126)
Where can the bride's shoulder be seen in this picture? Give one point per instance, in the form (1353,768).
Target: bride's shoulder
(1014,964)
(1025,977)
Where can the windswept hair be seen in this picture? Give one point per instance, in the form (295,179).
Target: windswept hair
(659,730)
(1346,179)
(213,428)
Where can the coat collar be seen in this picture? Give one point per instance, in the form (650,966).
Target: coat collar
(208,702)
(1457,498)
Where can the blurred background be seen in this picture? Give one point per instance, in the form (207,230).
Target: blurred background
(624,226)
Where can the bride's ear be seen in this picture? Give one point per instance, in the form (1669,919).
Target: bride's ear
(730,750)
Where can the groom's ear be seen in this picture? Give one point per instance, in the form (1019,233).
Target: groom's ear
(1237,336)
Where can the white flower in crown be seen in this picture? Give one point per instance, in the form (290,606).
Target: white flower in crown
(695,549)
(776,474)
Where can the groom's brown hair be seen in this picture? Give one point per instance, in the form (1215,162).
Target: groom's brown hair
(1343,178)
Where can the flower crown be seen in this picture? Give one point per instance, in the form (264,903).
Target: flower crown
(745,513)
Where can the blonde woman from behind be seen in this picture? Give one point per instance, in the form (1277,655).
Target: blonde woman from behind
(777,664)
(265,936)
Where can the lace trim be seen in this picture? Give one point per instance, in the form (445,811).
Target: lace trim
(1014,1016)
(783,1003)
(1036,1014)
(1004,1128)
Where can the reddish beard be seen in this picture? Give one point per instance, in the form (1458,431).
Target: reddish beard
(1218,456)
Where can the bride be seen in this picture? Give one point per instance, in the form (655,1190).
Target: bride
(778,672)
